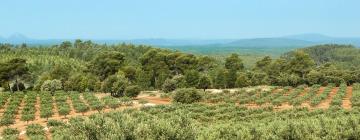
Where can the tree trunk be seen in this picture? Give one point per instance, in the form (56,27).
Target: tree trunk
(10,87)
(17,85)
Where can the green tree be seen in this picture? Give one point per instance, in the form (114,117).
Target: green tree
(204,82)
(169,85)
(192,78)
(206,63)
(301,63)
(242,80)
(230,78)
(233,62)
(314,77)
(154,63)
(263,64)
(15,69)
(129,72)
(220,78)
(107,63)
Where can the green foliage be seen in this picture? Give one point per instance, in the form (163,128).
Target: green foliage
(94,102)
(78,104)
(233,62)
(132,91)
(10,133)
(46,105)
(62,104)
(204,82)
(338,98)
(106,64)
(35,132)
(317,99)
(51,85)
(169,85)
(220,121)
(14,69)
(192,78)
(355,99)
(126,101)
(55,123)
(187,95)
(111,102)
(343,56)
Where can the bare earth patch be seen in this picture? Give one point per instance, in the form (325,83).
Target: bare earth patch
(326,103)
(346,101)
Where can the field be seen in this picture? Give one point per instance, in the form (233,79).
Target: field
(42,116)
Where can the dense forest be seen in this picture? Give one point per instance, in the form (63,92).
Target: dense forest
(87,66)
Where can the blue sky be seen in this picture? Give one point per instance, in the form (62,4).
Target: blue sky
(197,19)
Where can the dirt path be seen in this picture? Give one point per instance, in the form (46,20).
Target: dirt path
(155,100)
(346,101)
(55,108)
(37,108)
(18,121)
(72,109)
(91,111)
(307,102)
(326,103)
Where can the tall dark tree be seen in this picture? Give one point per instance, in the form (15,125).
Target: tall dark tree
(15,69)
(264,63)
(301,63)
(204,82)
(107,63)
(154,63)
(233,62)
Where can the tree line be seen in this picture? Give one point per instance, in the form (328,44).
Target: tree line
(124,68)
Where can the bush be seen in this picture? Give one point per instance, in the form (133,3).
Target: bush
(10,134)
(169,85)
(132,91)
(126,101)
(55,123)
(35,131)
(64,111)
(186,95)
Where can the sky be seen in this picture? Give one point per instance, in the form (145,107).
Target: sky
(177,19)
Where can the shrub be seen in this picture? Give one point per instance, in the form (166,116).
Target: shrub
(64,111)
(10,134)
(187,95)
(126,101)
(169,85)
(55,123)
(132,91)
(35,131)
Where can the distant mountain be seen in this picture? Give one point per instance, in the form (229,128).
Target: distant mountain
(323,39)
(310,37)
(295,41)
(270,42)
(170,42)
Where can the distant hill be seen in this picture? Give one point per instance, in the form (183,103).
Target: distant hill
(323,39)
(293,41)
(270,42)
